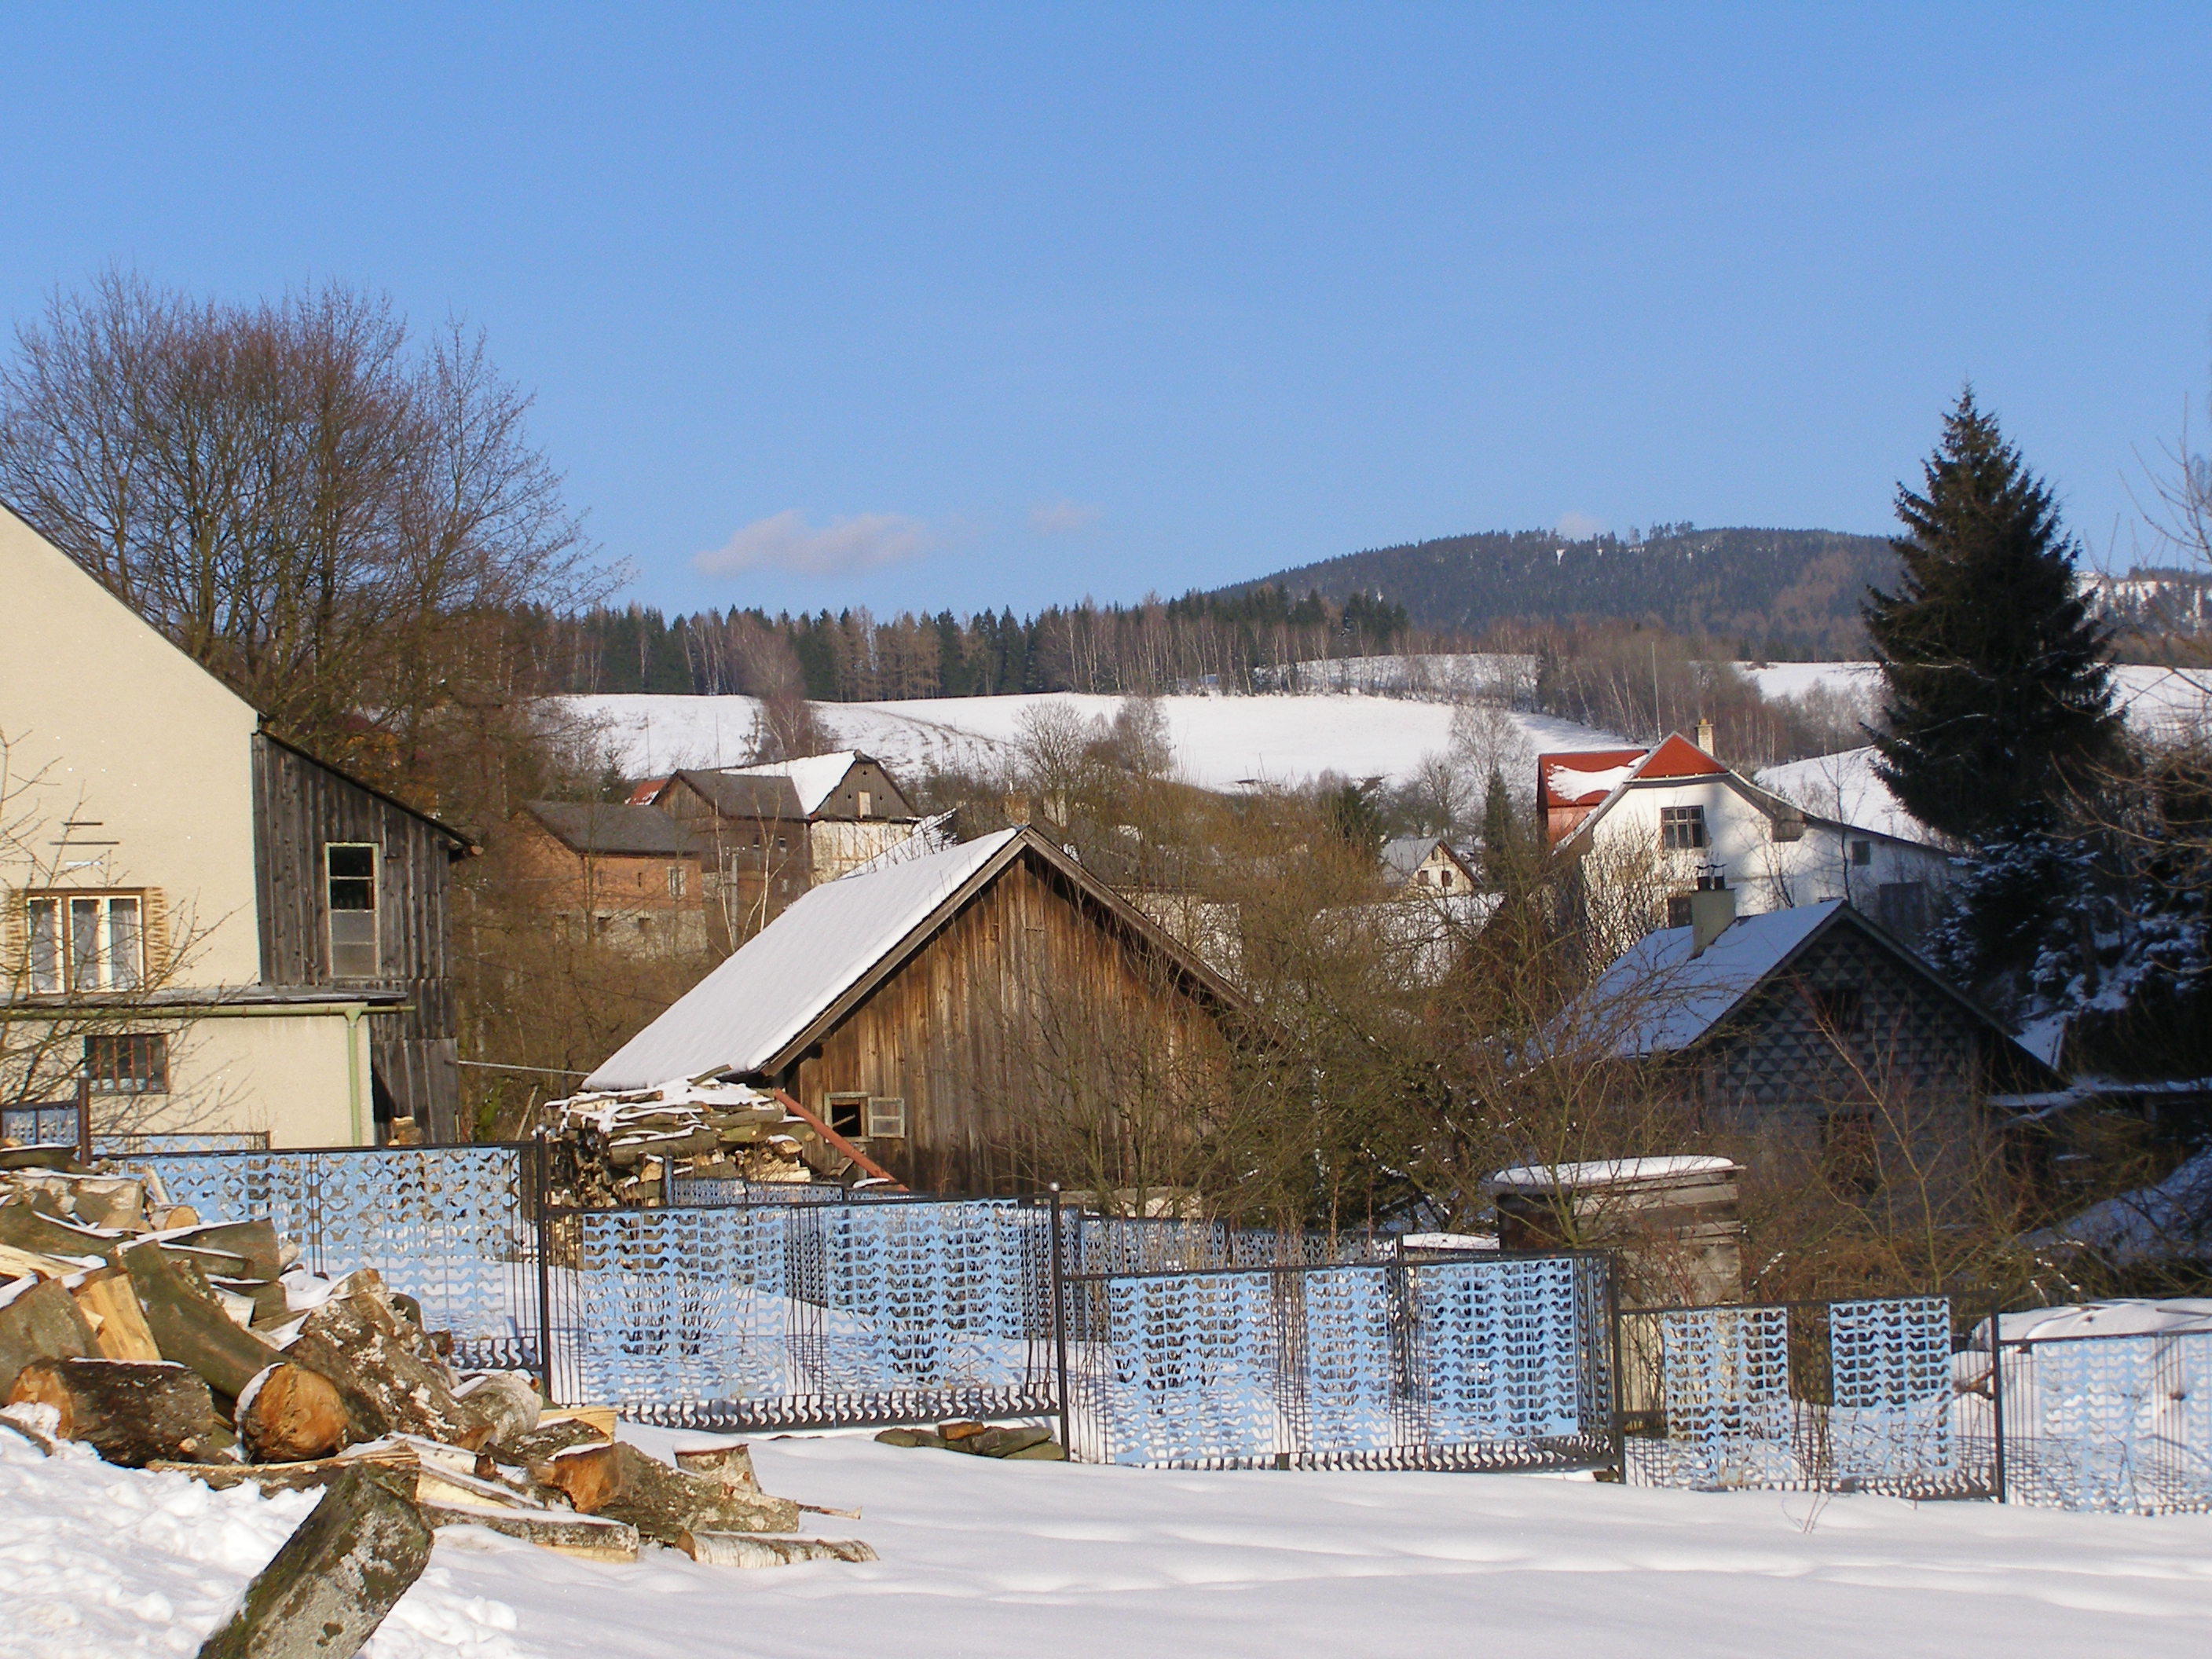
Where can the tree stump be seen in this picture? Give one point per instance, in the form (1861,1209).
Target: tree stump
(328,1588)
(289,1414)
(622,1483)
(131,1412)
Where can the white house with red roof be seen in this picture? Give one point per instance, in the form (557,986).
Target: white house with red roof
(1675,814)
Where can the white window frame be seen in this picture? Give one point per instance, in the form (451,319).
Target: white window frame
(332,943)
(116,960)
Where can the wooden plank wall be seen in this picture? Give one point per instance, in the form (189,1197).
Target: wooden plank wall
(301,807)
(1026,979)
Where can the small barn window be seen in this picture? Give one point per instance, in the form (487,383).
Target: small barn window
(349,875)
(133,1064)
(1861,853)
(676,881)
(864,803)
(1682,829)
(886,1117)
(848,1115)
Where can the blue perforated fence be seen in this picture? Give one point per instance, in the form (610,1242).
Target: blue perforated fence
(2121,1422)
(1842,1396)
(783,1315)
(1502,1362)
(450,1226)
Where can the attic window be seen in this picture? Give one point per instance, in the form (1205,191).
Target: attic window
(1682,829)
(865,804)
(1861,853)
(350,885)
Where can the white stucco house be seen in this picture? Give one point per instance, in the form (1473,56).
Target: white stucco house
(1675,815)
(203,930)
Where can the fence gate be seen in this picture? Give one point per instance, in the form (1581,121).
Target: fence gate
(1496,1363)
(450,1226)
(792,1315)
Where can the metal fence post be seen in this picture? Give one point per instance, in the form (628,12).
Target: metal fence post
(1060,1328)
(1997,1392)
(1612,1259)
(541,1185)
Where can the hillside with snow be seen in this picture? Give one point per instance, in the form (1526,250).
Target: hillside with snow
(1219,742)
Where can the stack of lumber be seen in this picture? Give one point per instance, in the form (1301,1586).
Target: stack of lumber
(167,1342)
(622,1149)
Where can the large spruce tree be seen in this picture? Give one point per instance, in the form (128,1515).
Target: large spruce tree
(1999,687)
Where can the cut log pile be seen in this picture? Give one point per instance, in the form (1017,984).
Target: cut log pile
(169,1343)
(982,1440)
(618,1149)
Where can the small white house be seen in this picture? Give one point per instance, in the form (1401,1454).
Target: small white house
(1426,866)
(1676,815)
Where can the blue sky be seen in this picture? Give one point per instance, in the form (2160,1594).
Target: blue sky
(969,306)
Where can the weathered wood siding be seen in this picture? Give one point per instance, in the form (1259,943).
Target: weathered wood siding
(301,807)
(1028,971)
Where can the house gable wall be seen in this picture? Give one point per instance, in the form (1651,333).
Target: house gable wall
(1027,979)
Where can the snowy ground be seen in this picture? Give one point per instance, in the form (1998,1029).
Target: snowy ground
(2161,700)
(986,1559)
(1219,742)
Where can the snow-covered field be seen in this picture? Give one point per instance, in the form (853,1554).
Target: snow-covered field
(987,1559)
(2161,700)
(1219,742)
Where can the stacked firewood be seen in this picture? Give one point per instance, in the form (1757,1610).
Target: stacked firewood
(166,1342)
(624,1148)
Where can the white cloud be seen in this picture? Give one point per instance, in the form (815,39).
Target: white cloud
(1061,518)
(1579,527)
(785,541)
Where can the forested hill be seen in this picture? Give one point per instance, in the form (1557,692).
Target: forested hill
(1789,593)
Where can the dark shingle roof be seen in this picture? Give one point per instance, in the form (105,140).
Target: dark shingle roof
(637,831)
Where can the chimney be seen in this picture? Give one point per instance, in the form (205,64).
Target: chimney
(1705,736)
(1711,910)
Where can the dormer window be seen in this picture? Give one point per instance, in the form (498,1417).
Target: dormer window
(1682,829)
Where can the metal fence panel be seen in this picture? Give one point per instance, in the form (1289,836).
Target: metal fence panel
(775,1315)
(2116,1423)
(1493,1362)
(447,1225)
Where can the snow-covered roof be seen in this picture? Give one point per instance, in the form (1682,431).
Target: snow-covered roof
(813,776)
(1659,998)
(741,1015)
(1845,787)
(1608,1172)
(1403,855)
(1585,777)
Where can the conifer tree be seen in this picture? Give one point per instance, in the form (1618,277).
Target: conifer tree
(1999,687)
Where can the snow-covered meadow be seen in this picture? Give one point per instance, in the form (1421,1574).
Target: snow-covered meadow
(982,1557)
(1219,742)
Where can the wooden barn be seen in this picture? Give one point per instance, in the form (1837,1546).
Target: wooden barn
(964,1015)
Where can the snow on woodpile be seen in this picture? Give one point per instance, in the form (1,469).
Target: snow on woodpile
(623,1147)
